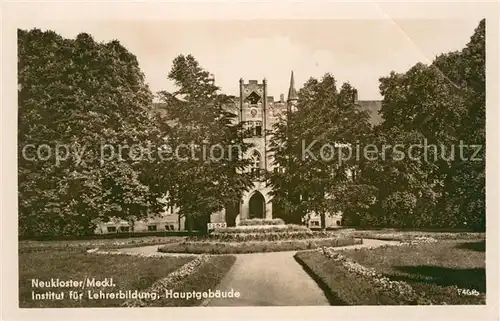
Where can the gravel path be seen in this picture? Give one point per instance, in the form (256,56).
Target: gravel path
(274,279)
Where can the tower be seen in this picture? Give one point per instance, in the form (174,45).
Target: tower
(254,106)
(253,115)
(292,96)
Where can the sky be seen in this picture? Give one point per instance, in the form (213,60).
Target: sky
(354,51)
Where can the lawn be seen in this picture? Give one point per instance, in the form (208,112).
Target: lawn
(33,246)
(128,273)
(435,271)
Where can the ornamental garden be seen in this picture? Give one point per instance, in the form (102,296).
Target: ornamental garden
(412,232)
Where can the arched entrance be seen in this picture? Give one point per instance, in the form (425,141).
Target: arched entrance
(256,206)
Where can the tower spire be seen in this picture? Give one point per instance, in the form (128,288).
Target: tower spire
(292,93)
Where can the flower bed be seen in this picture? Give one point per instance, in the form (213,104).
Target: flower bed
(116,252)
(261,221)
(216,247)
(261,228)
(201,274)
(169,281)
(397,291)
(265,236)
(390,235)
(351,283)
(206,277)
(40,246)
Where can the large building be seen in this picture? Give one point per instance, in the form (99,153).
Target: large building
(258,112)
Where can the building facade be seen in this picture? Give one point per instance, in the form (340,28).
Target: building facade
(258,112)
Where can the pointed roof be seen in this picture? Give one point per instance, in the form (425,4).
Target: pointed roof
(292,93)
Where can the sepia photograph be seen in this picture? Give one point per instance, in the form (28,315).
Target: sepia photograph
(252,163)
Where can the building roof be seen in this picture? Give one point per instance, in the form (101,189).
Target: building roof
(292,93)
(373,107)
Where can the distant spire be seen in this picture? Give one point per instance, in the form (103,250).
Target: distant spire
(292,93)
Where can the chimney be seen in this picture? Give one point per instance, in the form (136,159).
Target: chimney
(355,96)
(282,97)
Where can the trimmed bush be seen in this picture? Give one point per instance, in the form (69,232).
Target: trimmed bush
(261,221)
(255,247)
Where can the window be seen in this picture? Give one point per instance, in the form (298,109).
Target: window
(124,229)
(314,223)
(248,128)
(111,229)
(172,227)
(338,223)
(279,169)
(253,98)
(152,228)
(258,128)
(167,227)
(255,162)
(253,128)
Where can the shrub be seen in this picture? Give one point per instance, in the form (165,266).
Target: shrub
(261,221)
(399,208)
(355,201)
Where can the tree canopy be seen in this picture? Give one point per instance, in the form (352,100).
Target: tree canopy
(441,108)
(92,146)
(213,174)
(76,96)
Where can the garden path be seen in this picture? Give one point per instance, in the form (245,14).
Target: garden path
(274,279)
(267,279)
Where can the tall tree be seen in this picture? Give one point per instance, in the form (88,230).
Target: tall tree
(79,95)
(440,107)
(312,146)
(212,171)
